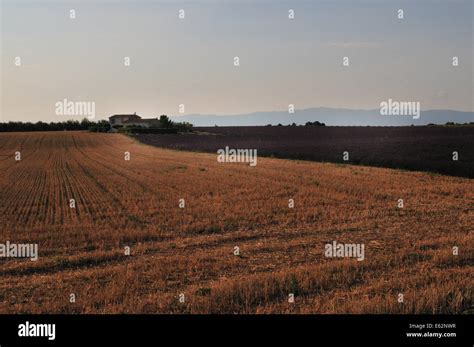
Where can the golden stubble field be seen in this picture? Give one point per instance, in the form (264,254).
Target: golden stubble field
(190,250)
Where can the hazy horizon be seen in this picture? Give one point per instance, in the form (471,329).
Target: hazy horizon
(190,61)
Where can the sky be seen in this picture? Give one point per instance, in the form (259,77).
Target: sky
(190,61)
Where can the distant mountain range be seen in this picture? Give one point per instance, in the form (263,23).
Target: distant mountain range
(329,116)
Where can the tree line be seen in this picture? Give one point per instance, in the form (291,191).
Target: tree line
(84,124)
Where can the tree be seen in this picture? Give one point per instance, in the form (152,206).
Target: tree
(165,122)
(314,124)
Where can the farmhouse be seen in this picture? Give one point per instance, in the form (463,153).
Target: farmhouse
(121,120)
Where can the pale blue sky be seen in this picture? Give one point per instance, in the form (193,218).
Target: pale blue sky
(190,61)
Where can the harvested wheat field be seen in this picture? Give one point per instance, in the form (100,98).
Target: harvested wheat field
(136,203)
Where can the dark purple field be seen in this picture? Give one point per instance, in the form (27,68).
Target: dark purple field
(410,148)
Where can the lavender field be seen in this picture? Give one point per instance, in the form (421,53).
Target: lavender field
(410,148)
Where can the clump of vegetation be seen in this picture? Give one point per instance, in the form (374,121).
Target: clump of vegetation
(102,126)
(315,124)
(307,124)
(167,123)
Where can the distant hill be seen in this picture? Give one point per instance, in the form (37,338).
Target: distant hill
(329,116)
